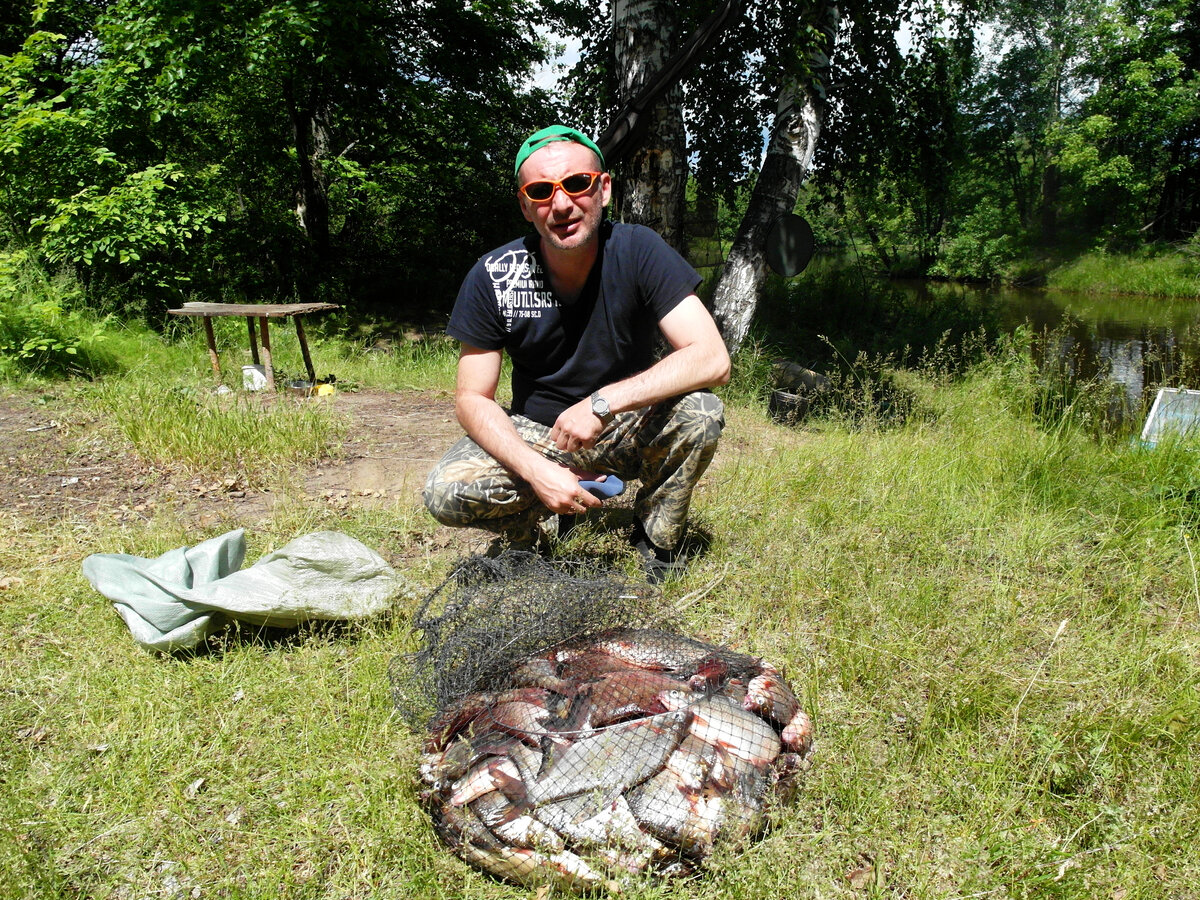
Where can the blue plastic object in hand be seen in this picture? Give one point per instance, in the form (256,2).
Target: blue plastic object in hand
(609,487)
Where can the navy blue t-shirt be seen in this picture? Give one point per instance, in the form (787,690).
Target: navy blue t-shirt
(563,351)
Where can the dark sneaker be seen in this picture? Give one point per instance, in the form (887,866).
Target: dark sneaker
(566,524)
(658,564)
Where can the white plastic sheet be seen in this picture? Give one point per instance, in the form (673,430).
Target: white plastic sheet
(175,601)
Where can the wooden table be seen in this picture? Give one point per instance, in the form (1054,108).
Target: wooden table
(262,312)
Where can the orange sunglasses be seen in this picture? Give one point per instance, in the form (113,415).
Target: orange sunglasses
(572,186)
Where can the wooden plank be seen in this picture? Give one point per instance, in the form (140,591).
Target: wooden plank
(212,349)
(258,310)
(308,366)
(266,353)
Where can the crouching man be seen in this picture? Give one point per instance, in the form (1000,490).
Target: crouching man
(577,307)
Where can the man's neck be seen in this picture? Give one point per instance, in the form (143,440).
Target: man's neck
(569,269)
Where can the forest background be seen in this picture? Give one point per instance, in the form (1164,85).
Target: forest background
(359,151)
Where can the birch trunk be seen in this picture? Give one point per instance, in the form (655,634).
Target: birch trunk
(799,116)
(652,190)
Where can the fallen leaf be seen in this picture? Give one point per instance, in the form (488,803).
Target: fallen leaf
(35,734)
(238,696)
(10,581)
(862,877)
(193,789)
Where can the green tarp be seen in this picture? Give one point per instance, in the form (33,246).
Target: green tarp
(175,601)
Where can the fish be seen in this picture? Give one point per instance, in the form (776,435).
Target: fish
(688,820)
(440,769)
(595,820)
(523,719)
(719,721)
(514,824)
(798,735)
(455,719)
(692,762)
(629,693)
(458,825)
(488,775)
(532,867)
(691,820)
(770,697)
(588,665)
(649,648)
(613,759)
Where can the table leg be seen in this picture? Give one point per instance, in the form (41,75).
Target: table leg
(266,353)
(308,366)
(212,349)
(253,339)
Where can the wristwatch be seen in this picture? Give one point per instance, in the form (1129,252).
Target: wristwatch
(600,408)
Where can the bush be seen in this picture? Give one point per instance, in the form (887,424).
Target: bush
(39,333)
(982,248)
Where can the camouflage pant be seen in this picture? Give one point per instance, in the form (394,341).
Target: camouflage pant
(667,447)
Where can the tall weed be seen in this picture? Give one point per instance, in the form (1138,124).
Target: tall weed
(40,333)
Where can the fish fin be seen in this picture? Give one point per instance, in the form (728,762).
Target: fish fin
(512,788)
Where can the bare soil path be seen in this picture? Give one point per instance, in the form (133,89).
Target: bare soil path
(57,461)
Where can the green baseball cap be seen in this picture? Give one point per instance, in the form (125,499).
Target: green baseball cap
(540,139)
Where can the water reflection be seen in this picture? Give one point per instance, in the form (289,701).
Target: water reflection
(1140,343)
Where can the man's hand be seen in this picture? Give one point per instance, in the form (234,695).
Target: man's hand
(558,489)
(576,427)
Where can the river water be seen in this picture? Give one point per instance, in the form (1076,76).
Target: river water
(1139,342)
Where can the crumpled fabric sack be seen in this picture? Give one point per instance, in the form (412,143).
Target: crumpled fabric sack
(177,600)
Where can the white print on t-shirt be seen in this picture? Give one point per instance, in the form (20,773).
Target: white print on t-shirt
(521,292)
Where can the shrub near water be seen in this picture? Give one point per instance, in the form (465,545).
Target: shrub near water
(1166,275)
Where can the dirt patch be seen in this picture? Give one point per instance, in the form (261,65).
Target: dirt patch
(57,463)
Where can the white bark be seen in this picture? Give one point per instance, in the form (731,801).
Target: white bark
(653,189)
(799,116)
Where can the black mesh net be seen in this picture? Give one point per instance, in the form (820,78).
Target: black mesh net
(573,735)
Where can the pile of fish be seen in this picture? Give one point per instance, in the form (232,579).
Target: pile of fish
(636,751)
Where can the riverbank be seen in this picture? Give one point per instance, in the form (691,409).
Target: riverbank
(1169,274)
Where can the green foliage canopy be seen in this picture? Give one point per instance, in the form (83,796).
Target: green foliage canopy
(262,149)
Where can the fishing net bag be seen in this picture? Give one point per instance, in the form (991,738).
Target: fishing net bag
(573,735)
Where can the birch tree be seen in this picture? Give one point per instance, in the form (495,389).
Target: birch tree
(797,126)
(653,189)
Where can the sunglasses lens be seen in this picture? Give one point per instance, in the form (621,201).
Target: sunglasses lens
(577,184)
(539,190)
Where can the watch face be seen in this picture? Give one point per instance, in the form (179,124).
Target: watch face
(600,406)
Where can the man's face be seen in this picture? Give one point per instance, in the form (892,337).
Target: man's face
(565,222)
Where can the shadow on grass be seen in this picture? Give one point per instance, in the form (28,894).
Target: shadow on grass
(237,635)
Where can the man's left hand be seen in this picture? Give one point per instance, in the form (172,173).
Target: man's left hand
(576,427)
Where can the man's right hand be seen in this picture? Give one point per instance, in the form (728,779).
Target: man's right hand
(559,490)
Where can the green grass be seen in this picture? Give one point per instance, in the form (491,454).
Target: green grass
(1165,275)
(993,622)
